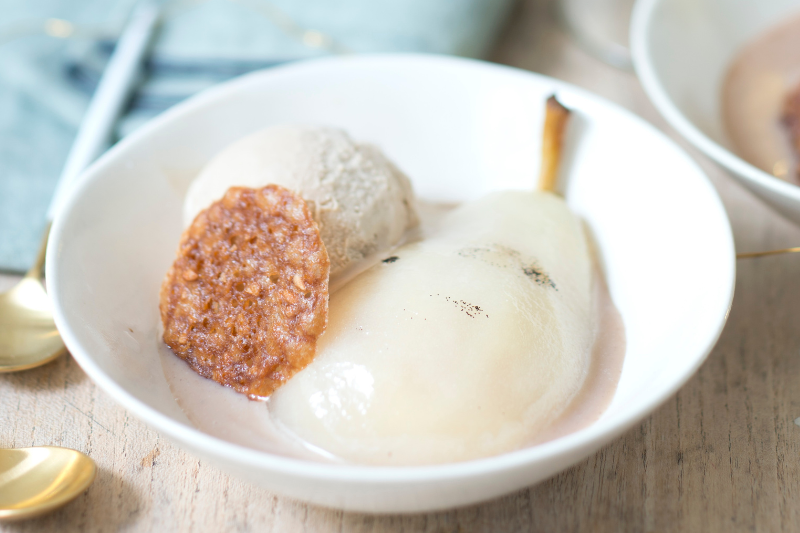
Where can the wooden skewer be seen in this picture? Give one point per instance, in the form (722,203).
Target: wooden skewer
(555,123)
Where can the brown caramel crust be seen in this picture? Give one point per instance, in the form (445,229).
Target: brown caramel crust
(247,295)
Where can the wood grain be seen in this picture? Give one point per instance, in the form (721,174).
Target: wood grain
(722,455)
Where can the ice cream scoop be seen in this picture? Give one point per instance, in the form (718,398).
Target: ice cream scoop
(362,202)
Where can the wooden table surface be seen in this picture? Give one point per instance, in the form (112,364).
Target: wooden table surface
(722,455)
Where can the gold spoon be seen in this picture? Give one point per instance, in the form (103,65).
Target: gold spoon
(34,481)
(28,335)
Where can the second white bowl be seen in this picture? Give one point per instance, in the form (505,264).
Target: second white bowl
(681,50)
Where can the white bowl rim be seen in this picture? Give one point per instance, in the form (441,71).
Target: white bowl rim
(349,473)
(641,21)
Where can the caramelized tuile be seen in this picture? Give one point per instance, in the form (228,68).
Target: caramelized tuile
(247,296)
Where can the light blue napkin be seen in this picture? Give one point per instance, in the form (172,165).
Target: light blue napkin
(46,82)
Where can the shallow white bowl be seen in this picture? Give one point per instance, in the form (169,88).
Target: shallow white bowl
(459,128)
(681,51)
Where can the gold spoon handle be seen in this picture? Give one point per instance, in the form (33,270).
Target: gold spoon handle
(750,255)
(36,271)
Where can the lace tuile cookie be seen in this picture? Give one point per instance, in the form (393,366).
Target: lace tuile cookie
(247,296)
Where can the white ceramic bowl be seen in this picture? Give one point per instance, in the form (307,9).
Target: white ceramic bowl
(459,128)
(681,51)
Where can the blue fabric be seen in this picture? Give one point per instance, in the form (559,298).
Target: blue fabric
(46,82)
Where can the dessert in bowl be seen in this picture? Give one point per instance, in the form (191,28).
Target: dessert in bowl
(692,59)
(459,129)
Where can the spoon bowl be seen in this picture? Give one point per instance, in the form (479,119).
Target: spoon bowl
(28,334)
(34,481)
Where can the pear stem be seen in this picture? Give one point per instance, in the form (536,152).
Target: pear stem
(555,123)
